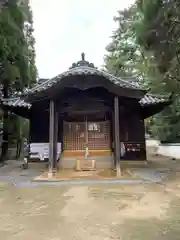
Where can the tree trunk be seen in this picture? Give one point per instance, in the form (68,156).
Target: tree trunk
(5,128)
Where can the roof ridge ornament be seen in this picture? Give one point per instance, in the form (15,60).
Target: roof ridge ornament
(83,56)
(82,62)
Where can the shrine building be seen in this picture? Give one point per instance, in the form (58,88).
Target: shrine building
(92,113)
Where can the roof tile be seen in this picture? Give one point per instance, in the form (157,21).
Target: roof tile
(148,99)
(83,70)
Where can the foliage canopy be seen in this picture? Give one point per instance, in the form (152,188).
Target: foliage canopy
(146,46)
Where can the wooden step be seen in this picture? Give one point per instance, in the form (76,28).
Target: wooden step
(91,153)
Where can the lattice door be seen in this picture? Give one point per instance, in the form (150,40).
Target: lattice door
(98,135)
(74,136)
(94,135)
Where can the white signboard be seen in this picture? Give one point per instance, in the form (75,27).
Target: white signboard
(41,150)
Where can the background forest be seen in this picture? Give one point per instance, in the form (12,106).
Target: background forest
(146,46)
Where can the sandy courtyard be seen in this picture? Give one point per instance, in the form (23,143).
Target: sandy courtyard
(104,211)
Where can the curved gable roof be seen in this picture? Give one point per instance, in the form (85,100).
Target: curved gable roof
(80,71)
(83,68)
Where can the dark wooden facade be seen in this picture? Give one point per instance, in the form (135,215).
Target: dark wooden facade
(87,119)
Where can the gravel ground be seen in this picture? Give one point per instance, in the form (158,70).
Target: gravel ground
(98,211)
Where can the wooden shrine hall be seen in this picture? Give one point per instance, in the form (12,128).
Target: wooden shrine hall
(93,114)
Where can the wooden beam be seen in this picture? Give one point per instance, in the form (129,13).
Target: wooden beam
(117,135)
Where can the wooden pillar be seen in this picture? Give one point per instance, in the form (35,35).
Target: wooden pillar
(117,135)
(55,138)
(86,129)
(113,138)
(144,153)
(52,137)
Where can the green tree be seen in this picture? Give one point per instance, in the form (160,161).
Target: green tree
(125,57)
(158,33)
(146,47)
(17,68)
(123,53)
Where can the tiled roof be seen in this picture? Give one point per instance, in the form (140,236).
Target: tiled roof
(148,99)
(83,71)
(83,68)
(15,102)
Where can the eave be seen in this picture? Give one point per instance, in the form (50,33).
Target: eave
(70,79)
(153,104)
(82,71)
(15,102)
(17,106)
(150,104)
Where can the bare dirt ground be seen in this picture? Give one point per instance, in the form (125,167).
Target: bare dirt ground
(98,211)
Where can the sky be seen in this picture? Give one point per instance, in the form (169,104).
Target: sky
(63,29)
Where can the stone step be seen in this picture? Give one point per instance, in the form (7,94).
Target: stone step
(83,164)
(100,162)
